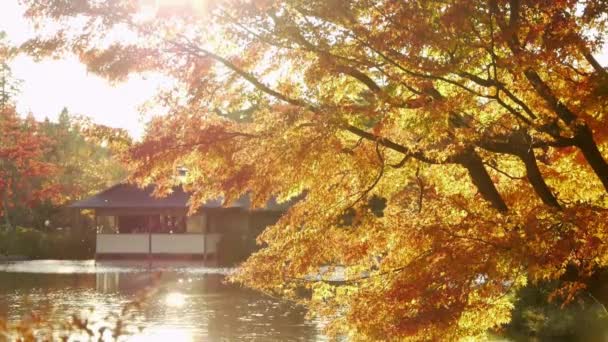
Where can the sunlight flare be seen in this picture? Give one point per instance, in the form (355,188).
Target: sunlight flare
(175,299)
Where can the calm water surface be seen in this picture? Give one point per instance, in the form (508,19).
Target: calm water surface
(178,302)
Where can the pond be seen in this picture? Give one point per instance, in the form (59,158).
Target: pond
(160,302)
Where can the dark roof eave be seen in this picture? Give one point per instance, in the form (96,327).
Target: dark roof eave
(125,196)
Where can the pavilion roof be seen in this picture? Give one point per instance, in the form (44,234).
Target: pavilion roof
(125,195)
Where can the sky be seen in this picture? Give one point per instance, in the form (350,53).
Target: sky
(50,85)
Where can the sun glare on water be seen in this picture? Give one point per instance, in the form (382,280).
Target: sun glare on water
(163,334)
(175,299)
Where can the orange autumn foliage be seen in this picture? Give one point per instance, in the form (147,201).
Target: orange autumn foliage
(23,173)
(482,124)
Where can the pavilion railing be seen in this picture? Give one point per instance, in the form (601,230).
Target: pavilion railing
(167,244)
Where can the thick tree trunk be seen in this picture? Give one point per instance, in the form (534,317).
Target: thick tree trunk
(482,180)
(584,141)
(536,179)
(519,144)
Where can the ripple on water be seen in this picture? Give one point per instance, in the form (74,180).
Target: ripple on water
(93,266)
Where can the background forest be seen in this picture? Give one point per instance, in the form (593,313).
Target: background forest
(43,167)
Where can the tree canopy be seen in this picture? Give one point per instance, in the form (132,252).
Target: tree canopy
(464,140)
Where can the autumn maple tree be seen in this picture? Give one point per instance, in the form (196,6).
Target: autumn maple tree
(449,152)
(23,172)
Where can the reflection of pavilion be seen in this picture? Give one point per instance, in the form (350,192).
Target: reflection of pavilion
(131,222)
(135,282)
(107,282)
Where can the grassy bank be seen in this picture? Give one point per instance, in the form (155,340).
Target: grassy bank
(35,244)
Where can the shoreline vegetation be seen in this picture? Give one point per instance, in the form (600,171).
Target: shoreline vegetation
(23,243)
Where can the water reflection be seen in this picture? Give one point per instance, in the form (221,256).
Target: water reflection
(182,303)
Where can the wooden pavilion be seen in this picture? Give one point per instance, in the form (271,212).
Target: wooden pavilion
(131,223)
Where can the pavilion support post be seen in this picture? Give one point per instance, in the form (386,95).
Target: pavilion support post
(205,232)
(95,226)
(149,247)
